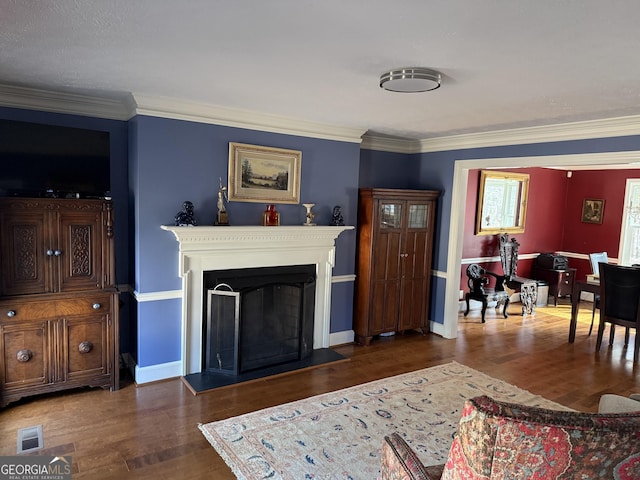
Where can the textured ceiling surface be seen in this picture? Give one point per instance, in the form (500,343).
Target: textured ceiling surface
(505,64)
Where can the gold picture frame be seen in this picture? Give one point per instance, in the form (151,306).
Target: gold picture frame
(502,202)
(264,174)
(592,210)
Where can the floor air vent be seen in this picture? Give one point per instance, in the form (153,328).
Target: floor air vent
(30,439)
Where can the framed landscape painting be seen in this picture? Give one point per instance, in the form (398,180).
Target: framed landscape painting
(264,174)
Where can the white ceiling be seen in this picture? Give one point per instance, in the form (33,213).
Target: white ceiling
(506,64)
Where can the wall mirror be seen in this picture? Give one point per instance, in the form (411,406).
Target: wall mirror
(502,202)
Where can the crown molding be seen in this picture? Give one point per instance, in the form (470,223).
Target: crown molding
(203,113)
(85,105)
(603,128)
(390,144)
(137,104)
(62,102)
(608,127)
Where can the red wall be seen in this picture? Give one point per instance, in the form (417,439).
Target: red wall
(608,185)
(543,226)
(554,213)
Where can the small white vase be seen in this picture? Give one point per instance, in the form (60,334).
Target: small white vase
(310,215)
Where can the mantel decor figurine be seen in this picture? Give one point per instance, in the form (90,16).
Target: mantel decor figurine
(222,218)
(310,215)
(271,217)
(336,217)
(185,218)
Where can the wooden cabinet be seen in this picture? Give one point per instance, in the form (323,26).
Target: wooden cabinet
(55,245)
(58,305)
(394,254)
(560,281)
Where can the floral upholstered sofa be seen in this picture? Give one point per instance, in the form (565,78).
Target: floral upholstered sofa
(497,440)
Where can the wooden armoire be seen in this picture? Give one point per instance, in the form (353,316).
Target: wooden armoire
(58,301)
(394,256)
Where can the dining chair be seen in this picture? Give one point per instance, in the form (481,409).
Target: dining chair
(619,302)
(527,287)
(485,287)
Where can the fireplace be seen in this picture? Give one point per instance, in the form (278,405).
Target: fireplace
(257,317)
(206,248)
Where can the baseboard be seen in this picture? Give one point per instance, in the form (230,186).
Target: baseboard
(437,328)
(340,338)
(153,373)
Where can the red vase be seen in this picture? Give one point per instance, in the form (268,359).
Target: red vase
(271,217)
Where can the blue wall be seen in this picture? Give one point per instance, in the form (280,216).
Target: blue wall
(397,170)
(173,161)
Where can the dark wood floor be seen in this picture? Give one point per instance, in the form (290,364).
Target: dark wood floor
(151,431)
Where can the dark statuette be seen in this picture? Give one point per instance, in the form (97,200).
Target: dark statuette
(185,217)
(336,217)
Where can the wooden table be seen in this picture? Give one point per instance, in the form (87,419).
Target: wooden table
(578,288)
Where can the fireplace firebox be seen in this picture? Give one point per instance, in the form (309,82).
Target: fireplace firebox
(256,318)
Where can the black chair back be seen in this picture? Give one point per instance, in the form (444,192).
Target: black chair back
(620,291)
(619,299)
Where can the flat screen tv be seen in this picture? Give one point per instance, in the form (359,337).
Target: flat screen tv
(38,160)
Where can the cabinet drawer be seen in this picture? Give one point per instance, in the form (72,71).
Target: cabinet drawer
(17,310)
(83,305)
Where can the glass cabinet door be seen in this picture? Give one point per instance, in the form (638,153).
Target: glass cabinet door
(390,215)
(418,215)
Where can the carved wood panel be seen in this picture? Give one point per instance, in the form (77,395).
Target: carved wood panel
(80,243)
(25,266)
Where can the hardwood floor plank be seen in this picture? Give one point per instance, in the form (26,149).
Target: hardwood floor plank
(150,431)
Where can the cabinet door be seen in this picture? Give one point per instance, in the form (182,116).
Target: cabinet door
(25,265)
(415,266)
(26,355)
(79,250)
(385,281)
(85,348)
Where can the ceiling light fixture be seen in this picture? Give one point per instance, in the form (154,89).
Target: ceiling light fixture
(410,80)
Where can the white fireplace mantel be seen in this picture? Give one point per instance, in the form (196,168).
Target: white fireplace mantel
(203,249)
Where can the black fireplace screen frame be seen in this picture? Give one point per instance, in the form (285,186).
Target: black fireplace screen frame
(281,303)
(222,340)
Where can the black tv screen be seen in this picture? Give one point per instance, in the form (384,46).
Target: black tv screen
(46,160)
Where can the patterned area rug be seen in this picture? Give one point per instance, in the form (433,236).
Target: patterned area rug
(339,435)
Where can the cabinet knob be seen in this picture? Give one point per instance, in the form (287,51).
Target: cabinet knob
(24,355)
(57,253)
(49,253)
(85,347)
(97,306)
(11,313)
